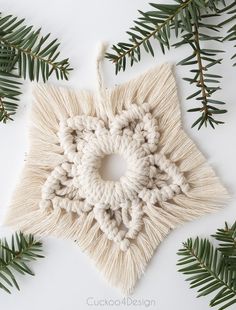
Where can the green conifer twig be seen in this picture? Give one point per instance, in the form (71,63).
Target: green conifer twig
(14,258)
(25,53)
(191,22)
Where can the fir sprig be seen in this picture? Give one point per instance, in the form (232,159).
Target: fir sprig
(212,270)
(192,24)
(231,36)
(227,245)
(155,24)
(203,60)
(9,94)
(15,257)
(25,53)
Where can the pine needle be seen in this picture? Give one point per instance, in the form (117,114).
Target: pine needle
(192,22)
(14,258)
(25,53)
(212,270)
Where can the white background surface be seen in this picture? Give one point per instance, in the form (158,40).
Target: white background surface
(66,277)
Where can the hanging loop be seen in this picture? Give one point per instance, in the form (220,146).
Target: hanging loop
(102,96)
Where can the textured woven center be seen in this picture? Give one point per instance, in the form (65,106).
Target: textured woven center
(77,186)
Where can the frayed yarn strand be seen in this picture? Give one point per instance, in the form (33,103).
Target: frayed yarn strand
(119,224)
(102,98)
(101,50)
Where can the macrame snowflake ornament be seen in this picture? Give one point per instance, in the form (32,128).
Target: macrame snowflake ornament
(118,223)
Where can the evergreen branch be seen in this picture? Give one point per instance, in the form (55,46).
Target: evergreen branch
(208,272)
(153,24)
(158,24)
(32,54)
(14,258)
(24,53)
(187,19)
(9,92)
(227,246)
(231,36)
(206,83)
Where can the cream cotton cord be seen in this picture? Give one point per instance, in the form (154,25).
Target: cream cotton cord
(119,224)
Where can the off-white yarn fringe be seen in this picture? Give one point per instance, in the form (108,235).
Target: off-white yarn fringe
(179,185)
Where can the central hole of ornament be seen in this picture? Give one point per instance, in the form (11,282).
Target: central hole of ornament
(113,167)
